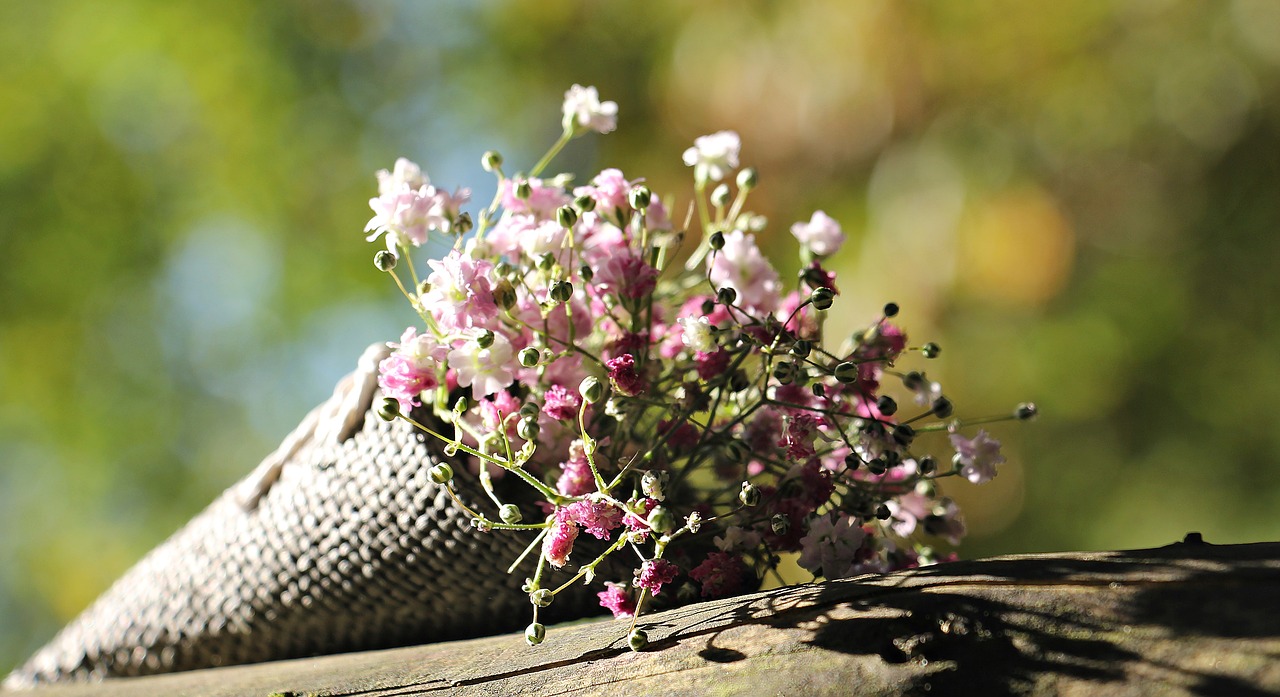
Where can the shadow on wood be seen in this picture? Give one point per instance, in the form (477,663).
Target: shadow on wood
(1190,618)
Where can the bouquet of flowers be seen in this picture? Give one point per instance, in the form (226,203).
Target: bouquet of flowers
(679,403)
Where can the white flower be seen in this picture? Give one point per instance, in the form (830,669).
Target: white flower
(486,370)
(697,334)
(713,156)
(406,175)
(583,109)
(831,547)
(822,235)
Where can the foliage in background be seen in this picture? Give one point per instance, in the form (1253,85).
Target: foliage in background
(1082,195)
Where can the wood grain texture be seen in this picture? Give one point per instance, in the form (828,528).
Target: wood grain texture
(1190,618)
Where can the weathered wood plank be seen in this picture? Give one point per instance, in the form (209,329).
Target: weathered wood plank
(1184,619)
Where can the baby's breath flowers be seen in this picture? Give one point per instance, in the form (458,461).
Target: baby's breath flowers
(697,418)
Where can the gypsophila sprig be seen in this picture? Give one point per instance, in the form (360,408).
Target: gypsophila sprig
(696,416)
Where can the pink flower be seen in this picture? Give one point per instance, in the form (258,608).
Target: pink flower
(741,266)
(832,547)
(639,523)
(598,517)
(977,457)
(485,370)
(609,190)
(410,369)
(711,364)
(713,156)
(617,600)
(558,543)
(408,207)
(576,478)
(721,574)
(625,275)
(799,435)
(623,375)
(561,403)
(498,408)
(543,199)
(460,295)
(583,109)
(654,573)
(821,234)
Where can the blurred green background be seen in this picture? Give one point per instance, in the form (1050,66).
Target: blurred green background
(1080,201)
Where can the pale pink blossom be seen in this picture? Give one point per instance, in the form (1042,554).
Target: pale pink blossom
(583,109)
(460,296)
(832,546)
(576,478)
(410,369)
(598,518)
(977,457)
(408,207)
(544,198)
(558,544)
(741,266)
(713,156)
(625,275)
(561,403)
(821,235)
(485,370)
(609,190)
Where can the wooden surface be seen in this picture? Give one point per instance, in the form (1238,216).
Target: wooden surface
(1190,618)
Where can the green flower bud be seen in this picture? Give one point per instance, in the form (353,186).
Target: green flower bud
(780,524)
(748,178)
(784,372)
(545,262)
(822,297)
(504,294)
(927,464)
(931,350)
(739,381)
(694,522)
(461,406)
(535,633)
(591,390)
(491,160)
(523,190)
(903,434)
(942,407)
(561,291)
(529,410)
(638,639)
(441,473)
(528,356)
(1026,411)
(882,512)
(846,372)
(462,224)
(720,195)
(542,597)
(639,197)
(750,494)
(384,260)
(485,339)
(661,520)
(389,410)
(913,381)
(890,309)
(510,514)
(801,348)
(726,296)
(566,216)
(886,405)
(586,273)
(528,428)
(716,240)
(819,390)
(584,203)
(653,484)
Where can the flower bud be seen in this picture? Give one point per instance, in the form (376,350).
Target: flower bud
(485,338)
(739,380)
(801,348)
(586,273)
(822,297)
(462,405)
(748,178)
(528,428)
(890,309)
(639,197)
(504,294)
(750,494)
(819,390)
(481,525)
(913,381)
(528,356)
(780,524)
(591,389)
(424,287)
(852,461)
(541,597)
(716,240)
(877,466)
(491,160)
(462,224)
(927,465)
(384,260)
(654,484)
(931,350)
(584,203)
(545,262)
(846,372)
(694,522)
(661,520)
(720,195)
(942,407)
(882,512)
(1026,411)
(638,639)
(529,410)
(784,372)
(566,216)
(523,190)
(389,410)
(886,405)
(535,633)
(510,514)
(441,473)
(561,291)
(726,296)
(903,434)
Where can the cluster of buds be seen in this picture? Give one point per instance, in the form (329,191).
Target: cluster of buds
(687,404)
